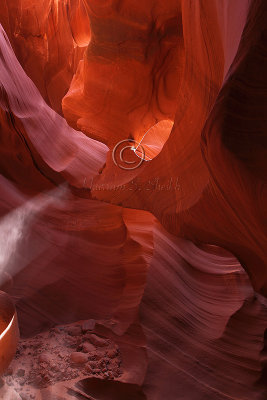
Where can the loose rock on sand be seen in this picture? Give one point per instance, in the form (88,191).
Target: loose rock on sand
(60,354)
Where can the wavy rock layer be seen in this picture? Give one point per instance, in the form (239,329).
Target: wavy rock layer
(217,148)
(203,322)
(187,80)
(49,38)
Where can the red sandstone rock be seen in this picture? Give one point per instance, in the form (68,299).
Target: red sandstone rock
(88,347)
(120,70)
(98,341)
(88,325)
(79,358)
(74,330)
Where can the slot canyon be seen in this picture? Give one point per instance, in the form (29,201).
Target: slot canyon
(133,199)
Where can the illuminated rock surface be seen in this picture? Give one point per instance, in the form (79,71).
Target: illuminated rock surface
(168,258)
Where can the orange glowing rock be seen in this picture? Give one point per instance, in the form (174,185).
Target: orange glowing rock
(9,333)
(153,113)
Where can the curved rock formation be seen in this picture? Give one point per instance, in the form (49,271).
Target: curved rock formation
(209,142)
(203,322)
(133,188)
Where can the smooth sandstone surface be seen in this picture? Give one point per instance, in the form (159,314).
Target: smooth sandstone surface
(171,255)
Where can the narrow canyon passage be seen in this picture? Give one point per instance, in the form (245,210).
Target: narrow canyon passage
(133,199)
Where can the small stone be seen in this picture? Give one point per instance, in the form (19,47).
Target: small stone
(111,353)
(88,369)
(98,341)
(88,347)
(46,378)
(114,363)
(93,364)
(97,371)
(20,372)
(116,372)
(78,358)
(88,325)
(44,358)
(74,330)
